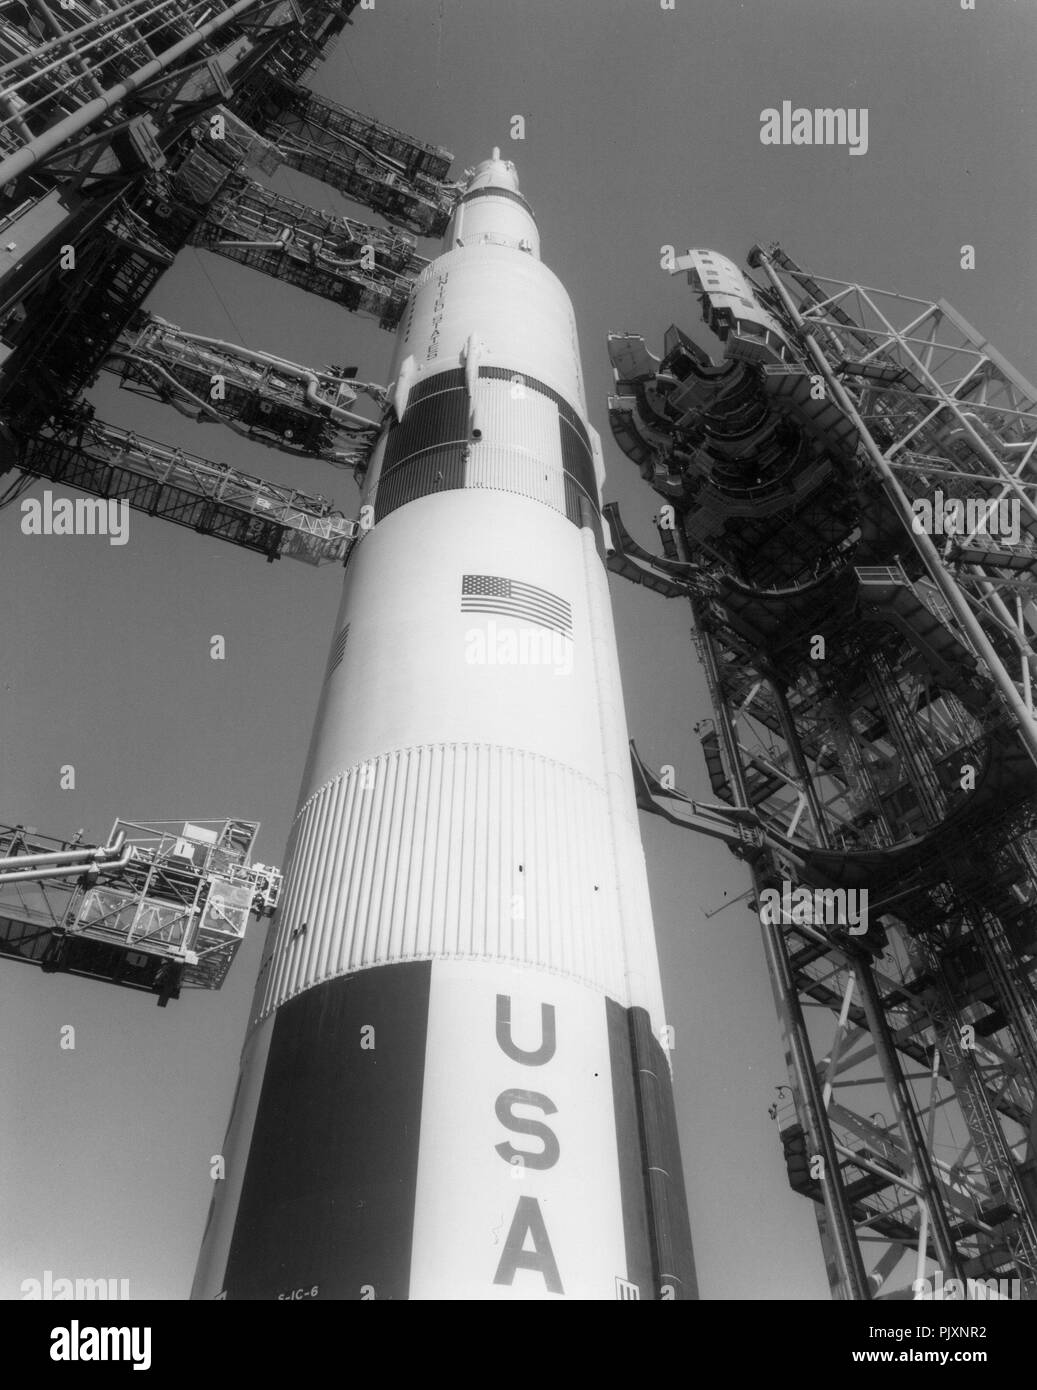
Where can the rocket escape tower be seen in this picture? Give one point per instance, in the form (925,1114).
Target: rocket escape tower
(868,646)
(127,132)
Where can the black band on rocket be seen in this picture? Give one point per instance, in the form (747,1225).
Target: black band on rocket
(430,450)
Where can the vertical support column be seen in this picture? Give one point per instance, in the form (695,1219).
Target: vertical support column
(799,762)
(906,1113)
(853,1281)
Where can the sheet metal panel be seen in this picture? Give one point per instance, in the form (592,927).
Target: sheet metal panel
(450,850)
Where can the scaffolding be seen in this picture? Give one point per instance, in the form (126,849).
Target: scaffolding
(126,135)
(395,175)
(295,409)
(367,269)
(210,498)
(873,725)
(163,907)
(131,131)
(69,70)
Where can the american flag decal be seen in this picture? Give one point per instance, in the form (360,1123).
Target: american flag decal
(489,593)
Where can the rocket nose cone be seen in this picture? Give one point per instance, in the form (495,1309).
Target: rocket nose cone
(504,220)
(494,173)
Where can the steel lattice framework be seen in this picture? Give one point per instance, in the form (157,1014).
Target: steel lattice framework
(945,408)
(131,130)
(872,730)
(158,909)
(128,131)
(284,405)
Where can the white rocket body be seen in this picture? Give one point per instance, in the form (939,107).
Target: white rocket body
(453,1085)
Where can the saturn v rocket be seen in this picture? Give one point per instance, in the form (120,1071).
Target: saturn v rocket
(456,1082)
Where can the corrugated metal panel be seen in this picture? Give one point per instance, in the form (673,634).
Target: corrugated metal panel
(437,415)
(520,450)
(451,850)
(435,470)
(577,458)
(500,468)
(565,409)
(450,380)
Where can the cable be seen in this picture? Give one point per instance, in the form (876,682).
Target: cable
(16,489)
(367,99)
(241,338)
(287,174)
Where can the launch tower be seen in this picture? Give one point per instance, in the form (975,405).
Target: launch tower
(849,507)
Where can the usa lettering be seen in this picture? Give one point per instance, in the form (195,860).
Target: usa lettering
(527,1225)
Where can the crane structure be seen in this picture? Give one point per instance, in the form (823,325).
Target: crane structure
(158,908)
(367,269)
(210,498)
(286,406)
(850,512)
(130,129)
(364,159)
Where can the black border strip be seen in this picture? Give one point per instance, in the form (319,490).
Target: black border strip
(491,192)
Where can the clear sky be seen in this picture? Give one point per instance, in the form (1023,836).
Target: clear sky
(642,129)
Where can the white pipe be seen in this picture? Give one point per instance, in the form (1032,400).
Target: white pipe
(54,138)
(293,369)
(79,49)
(73,35)
(68,870)
(981,426)
(78,59)
(248,431)
(65,856)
